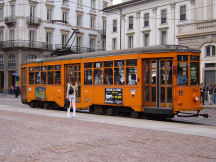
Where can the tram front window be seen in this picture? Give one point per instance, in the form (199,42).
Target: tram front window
(194,70)
(182,70)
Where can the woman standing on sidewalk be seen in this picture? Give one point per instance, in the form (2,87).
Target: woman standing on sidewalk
(71,96)
(214,95)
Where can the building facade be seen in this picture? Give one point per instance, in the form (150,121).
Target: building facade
(200,33)
(142,23)
(34,28)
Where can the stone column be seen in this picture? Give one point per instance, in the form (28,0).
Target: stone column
(137,40)
(6,73)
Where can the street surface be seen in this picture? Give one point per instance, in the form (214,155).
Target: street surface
(37,135)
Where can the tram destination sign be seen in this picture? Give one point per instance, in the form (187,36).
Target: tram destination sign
(113,95)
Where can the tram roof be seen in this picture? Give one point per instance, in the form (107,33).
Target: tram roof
(152,49)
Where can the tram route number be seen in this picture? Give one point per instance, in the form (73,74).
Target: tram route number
(113,96)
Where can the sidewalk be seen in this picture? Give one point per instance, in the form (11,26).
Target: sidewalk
(210,106)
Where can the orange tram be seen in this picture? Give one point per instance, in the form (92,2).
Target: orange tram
(161,81)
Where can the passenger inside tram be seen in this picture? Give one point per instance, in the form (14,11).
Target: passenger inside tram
(182,78)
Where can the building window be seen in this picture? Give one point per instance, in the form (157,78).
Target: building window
(93,4)
(183,13)
(1,59)
(65,2)
(92,44)
(64,39)
(163,37)
(79,3)
(32,35)
(12,10)
(79,20)
(146,39)
(79,41)
(105,4)
(114,25)
(29,58)
(146,19)
(65,17)
(11,34)
(1,35)
(114,43)
(130,41)
(104,21)
(163,16)
(130,20)
(49,14)
(49,39)
(210,50)
(92,21)
(1,13)
(12,60)
(32,11)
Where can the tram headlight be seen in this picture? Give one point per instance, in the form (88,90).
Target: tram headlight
(196,99)
(133,92)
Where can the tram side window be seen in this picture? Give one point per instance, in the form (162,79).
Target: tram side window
(88,74)
(131,72)
(54,74)
(43,77)
(194,70)
(98,76)
(88,77)
(108,72)
(57,76)
(182,70)
(50,77)
(37,77)
(119,74)
(31,78)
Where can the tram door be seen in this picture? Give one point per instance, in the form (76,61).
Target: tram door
(73,75)
(157,83)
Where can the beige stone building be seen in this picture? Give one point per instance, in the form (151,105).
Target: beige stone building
(200,33)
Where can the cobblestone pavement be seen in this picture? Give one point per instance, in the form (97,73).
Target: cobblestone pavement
(32,137)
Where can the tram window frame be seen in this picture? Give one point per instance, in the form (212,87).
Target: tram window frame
(182,74)
(119,72)
(73,73)
(31,77)
(50,77)
(131,72)
(98,73)
(194,60)
(108,73)
(51,74)
(88,77)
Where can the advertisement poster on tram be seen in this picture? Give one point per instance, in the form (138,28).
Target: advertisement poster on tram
(113,96)
(40,92)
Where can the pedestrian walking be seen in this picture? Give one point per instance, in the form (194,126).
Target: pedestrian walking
(16,91)
(202,94)
(214,95)
(71,96)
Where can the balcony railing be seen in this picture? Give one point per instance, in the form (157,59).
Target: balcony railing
(25,44)
(10,21)
(33,21)
(197,28)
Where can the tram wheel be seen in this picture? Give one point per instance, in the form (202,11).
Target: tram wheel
(109,111)
(91,109)
(32,104)
(135,114)
(46,105)
(99,110)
